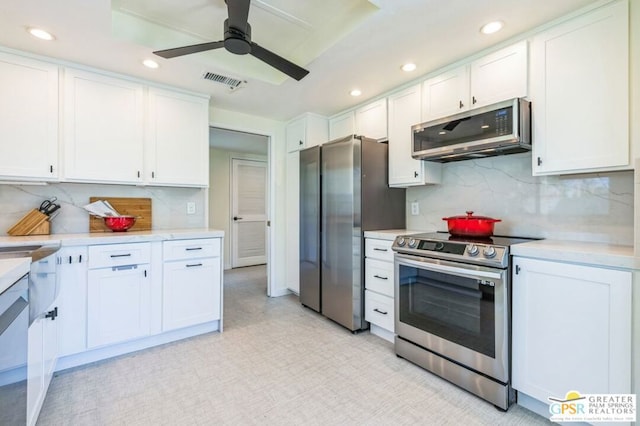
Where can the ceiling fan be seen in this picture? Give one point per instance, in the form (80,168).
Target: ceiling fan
(237,40)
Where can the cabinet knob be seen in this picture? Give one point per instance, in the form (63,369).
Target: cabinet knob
(415,174)
(461,105)
(52,314)
(237,218)
(539,161)
(300,142)
(473,100)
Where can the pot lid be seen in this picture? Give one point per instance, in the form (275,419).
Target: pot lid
(470,216)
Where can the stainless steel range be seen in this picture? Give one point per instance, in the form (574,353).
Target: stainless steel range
(453,310)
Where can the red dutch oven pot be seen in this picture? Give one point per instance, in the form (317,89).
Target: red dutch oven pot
(470,225)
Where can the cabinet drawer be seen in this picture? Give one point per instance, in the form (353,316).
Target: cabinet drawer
(378,276)
(108,255)
(378,249)
(191,249)
(378,310)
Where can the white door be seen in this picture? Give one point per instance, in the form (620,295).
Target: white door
(248,212)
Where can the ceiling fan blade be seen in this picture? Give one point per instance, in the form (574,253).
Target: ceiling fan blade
(238,13)
(187,50)
(278,62)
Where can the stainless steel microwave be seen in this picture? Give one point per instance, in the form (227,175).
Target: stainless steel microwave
(498,129)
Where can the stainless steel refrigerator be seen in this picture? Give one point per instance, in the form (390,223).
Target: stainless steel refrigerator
(343,192)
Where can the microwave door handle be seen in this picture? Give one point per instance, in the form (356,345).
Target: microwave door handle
(437,266)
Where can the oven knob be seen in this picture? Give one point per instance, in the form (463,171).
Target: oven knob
(401,241)
(439,246)
(412,242)
(489,252)
(472,250)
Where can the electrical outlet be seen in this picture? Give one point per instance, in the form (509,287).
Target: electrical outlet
(191,207)
(415,208)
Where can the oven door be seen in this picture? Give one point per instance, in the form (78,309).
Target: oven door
(458,311)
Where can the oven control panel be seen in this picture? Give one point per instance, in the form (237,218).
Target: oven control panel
(471,252)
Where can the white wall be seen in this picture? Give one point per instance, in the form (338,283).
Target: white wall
(220,192)
(169,205)
(275,130)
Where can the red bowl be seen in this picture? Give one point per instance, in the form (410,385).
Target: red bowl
(119,223)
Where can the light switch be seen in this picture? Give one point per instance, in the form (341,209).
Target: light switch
(191,207)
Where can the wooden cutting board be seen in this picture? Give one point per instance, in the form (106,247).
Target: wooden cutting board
(139,207)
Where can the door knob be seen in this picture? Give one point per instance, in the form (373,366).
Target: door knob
(237,218)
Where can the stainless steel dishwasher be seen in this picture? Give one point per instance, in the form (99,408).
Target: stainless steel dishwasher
(14,322)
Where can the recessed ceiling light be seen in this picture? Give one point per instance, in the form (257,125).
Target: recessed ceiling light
(408,67)
(492,27)
(355,92)
(41,34)
(150,63)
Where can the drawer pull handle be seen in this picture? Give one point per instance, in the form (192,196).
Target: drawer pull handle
(193,248)
(380,312)
(379,249)
(382,278)
(121,255)
(193,265)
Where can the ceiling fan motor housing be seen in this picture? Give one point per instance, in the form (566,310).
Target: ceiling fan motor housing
(237,41)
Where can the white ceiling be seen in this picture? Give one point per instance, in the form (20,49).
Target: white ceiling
(364,49)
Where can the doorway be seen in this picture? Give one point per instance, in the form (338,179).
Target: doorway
(229,149)
(249,212)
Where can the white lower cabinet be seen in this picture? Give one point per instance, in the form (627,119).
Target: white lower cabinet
(191,283)
(41,361)
(571,329)
(379,287)
(72,300)
(118,293)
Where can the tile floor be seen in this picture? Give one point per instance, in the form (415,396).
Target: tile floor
(276,363)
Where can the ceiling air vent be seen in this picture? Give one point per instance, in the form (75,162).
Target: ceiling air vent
(231,83)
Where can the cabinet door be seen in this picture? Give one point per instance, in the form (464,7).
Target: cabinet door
(446,94)
(404,170)
(118,304)
(28,119)
(295,134)
(342,126)
(177,139)
(580,94)
(41,361)
(371,120)
(103,130)
(292,231)
(499,76)
(72,300)
(568,320)
(191,292)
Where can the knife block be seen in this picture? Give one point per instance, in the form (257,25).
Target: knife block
(33,223)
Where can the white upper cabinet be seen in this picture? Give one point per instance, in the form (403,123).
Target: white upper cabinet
(177,139)
(580,93)
(28,119)
(496,77)
(306,131)
(371,120)
(342,125)
(499,76)
(446,94)
(103,128)
(404,170)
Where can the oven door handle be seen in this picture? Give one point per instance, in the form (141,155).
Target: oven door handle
(443,266)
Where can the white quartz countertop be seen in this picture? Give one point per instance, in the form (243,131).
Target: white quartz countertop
(11,270)
(111,237)
(390,234)
(597,254)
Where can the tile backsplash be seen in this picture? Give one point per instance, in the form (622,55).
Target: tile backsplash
(168,204)
(587,207)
